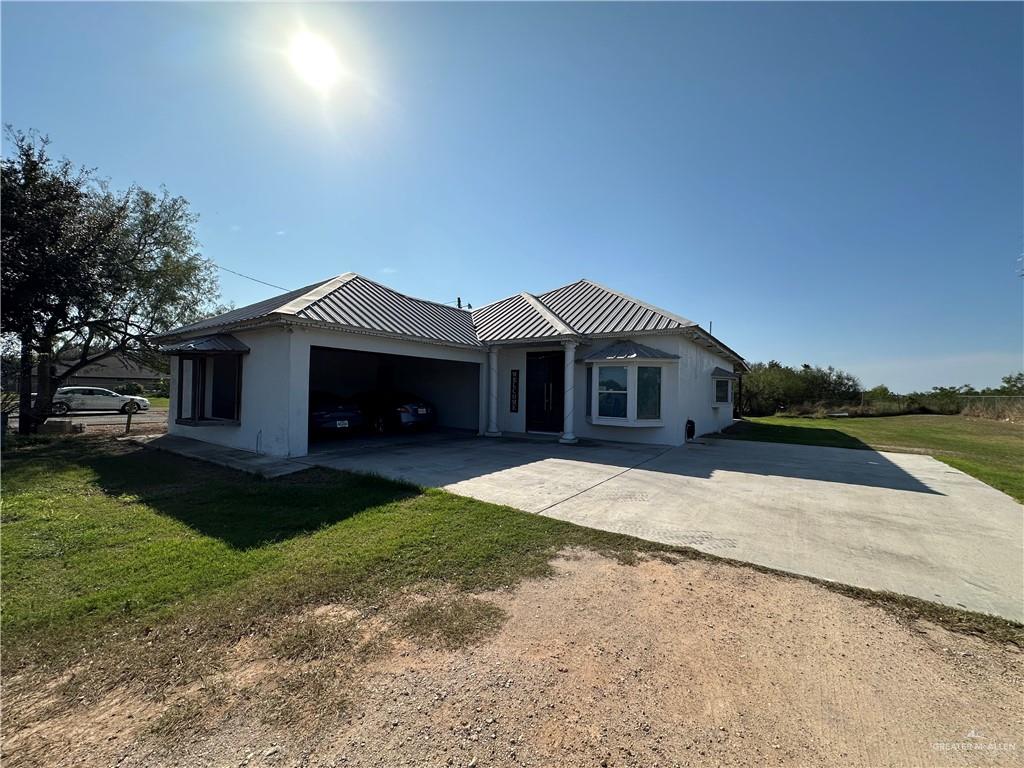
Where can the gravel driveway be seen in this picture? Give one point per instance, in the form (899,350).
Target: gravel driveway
(886,521)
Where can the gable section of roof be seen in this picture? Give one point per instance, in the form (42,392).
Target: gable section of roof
(593,309)
(516,318)
(362,304)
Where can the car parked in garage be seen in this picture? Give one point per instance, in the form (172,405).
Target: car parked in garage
(95,399)
(397,411)
(332,414)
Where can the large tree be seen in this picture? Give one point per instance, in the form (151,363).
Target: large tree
(89,272)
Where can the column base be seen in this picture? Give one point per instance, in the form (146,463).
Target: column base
(492,434)
(568,440)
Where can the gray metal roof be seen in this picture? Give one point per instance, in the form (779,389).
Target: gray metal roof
(721,373)
(517,318)
(362,304)
(243,314)
(353,302)
(219,343)
(629,350)
(593,309)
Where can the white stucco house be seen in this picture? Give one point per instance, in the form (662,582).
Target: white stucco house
(582,360)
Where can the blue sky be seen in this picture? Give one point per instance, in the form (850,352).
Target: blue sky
(834,184)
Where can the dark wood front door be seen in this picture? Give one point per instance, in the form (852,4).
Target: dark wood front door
(545,391)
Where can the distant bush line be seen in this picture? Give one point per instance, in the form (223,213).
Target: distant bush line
(772,388)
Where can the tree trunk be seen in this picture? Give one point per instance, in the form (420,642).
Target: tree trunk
(25,386)
(44,387)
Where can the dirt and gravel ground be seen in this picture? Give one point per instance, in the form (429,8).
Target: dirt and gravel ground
(654,664)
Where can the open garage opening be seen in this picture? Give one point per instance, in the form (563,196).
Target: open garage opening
(357,396)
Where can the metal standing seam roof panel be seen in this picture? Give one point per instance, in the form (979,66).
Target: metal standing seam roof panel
(248,312)
(351,301)
(517,317)
(363,304)
(211,345)
(592,309)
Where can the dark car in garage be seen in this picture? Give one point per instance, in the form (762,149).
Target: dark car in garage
(397,411)
(331,414)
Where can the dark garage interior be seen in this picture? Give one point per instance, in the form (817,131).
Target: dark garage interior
(452,387)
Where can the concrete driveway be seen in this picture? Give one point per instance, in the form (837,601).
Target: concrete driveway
(886,521)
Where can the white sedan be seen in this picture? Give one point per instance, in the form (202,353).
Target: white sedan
(95,399)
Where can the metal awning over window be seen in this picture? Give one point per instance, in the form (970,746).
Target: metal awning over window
(628,350)
(721,373)
(217,344)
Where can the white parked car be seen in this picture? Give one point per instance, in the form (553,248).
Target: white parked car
(95,399)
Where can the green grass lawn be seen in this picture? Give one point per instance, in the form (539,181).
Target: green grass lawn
(992,451)
(99,534)
(140,559)
(158,402)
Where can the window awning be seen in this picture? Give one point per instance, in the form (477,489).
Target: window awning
(721,373)
(628,350)
(217,344)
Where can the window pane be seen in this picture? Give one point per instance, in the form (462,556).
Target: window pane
(185,389)
(611,379)
(590,392)
(721,391)
(224,392)
(648,393)
(611,404)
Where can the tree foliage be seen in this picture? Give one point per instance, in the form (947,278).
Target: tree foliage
(90,272)
(771,387)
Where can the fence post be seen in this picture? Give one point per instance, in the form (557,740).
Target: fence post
(128,423)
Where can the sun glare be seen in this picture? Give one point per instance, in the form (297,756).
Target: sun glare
(315,61)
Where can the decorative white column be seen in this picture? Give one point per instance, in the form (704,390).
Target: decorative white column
(569,399)
(492,393)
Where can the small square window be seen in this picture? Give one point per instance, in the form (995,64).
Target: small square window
(721,390)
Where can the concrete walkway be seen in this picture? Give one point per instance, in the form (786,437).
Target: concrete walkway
(886,521)
(244,461)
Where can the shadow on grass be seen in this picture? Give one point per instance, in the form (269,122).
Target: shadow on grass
(799,435)
(243,511)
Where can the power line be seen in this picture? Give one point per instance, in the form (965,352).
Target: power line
(247,277)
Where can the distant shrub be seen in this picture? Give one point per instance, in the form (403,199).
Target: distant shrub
(162,388)
(1001,408)
(129,388)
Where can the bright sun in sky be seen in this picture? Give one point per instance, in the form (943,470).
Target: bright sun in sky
(315,61)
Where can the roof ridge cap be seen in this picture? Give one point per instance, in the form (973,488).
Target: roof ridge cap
(314,294)
(548,315)
(685,322)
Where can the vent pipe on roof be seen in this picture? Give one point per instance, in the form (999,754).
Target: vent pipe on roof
(458,302)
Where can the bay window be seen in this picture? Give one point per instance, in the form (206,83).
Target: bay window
(626,395)
(209,389)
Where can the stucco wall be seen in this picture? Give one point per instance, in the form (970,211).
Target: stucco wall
(687,393)
(264,408)
(275,389)
(275,386)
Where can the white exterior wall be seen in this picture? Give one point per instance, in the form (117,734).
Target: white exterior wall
(697,389)
(266,379)
(687,392)
(275,389)
(275,385)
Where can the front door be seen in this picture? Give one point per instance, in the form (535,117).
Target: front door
(545,391)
